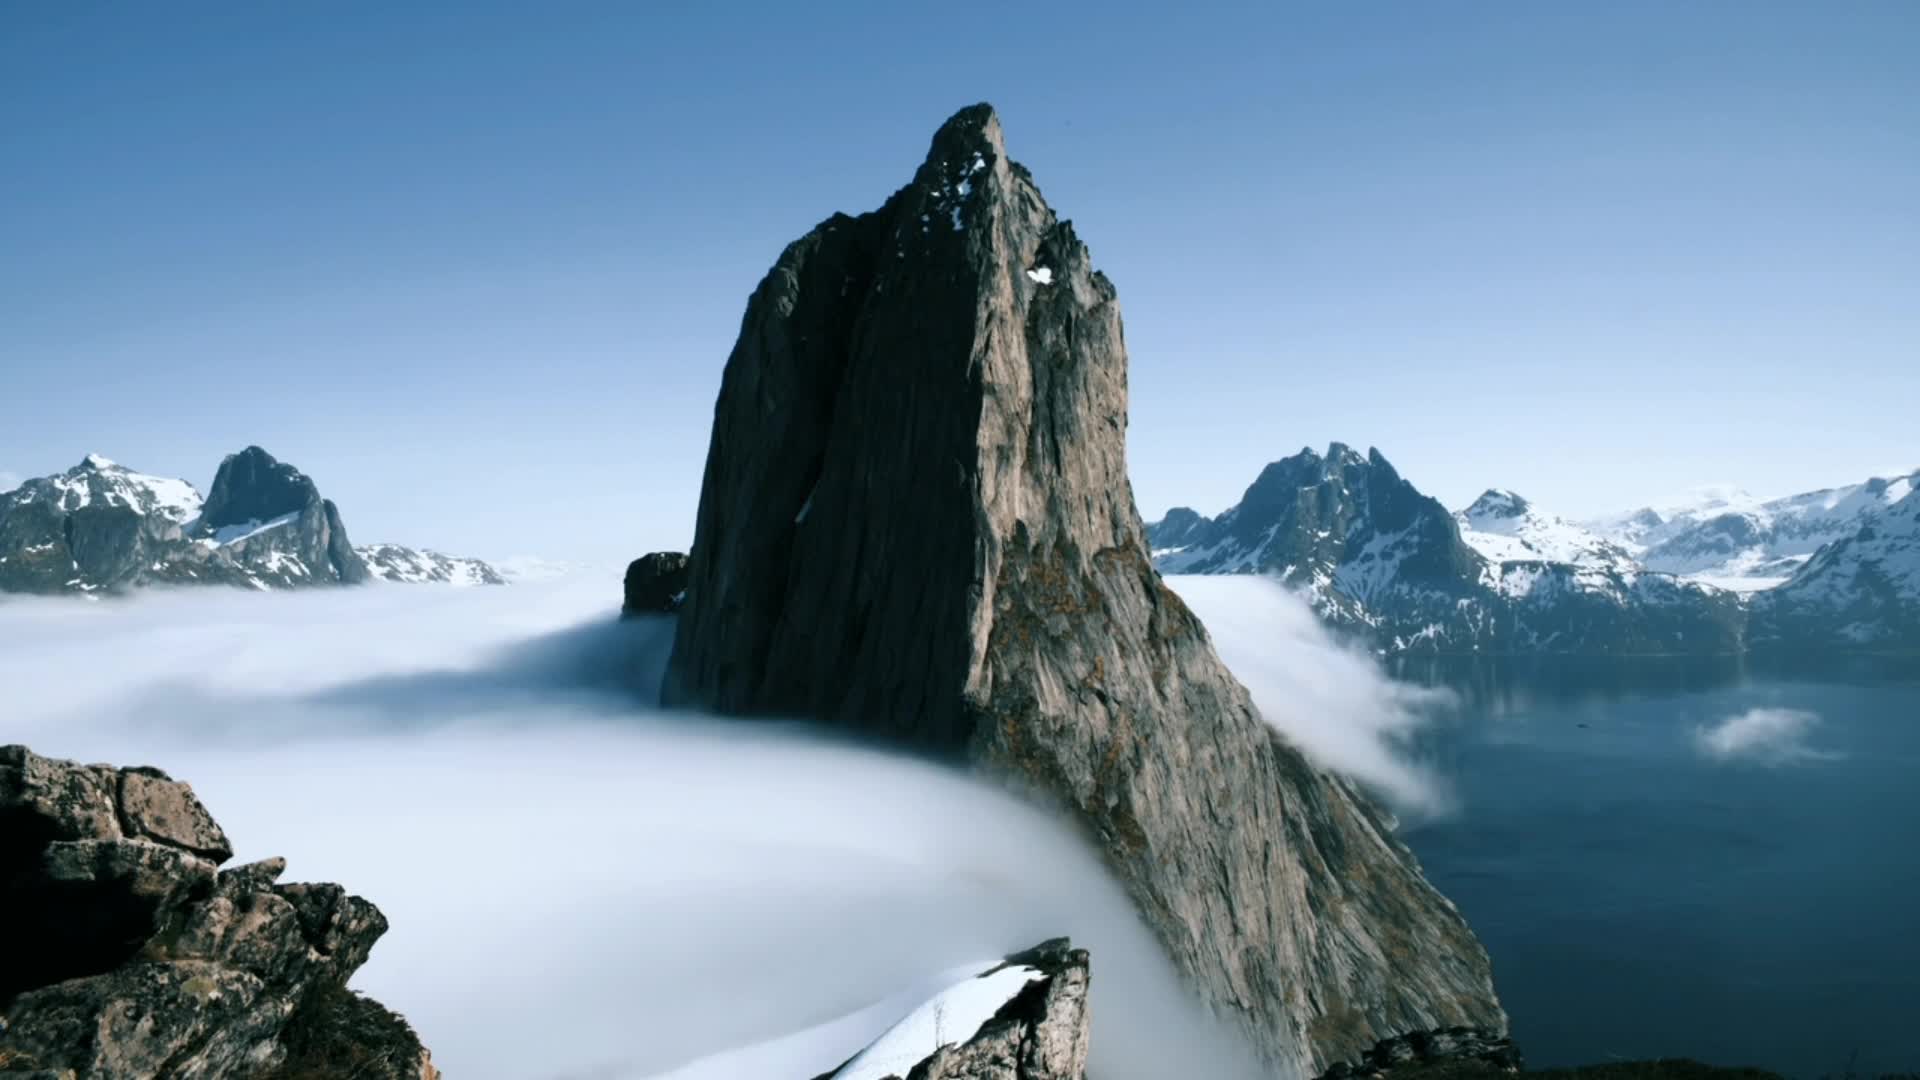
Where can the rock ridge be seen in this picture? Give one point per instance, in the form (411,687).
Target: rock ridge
(131,953)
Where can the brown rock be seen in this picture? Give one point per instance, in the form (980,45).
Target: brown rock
(128,954)
(916,523)
(163,809)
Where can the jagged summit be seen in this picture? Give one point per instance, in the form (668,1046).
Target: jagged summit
(97,461)
(916,523)
(253,485)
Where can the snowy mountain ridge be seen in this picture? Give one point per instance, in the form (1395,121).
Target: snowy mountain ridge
(101,526)
(1734,540)
(1502,574)
(1376,557)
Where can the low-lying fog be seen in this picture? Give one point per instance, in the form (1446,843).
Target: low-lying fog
(583,887)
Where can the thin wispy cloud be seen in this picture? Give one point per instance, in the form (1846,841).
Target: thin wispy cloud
(1331,700)
(1765,736)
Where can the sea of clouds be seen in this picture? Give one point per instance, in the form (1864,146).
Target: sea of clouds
(583,886)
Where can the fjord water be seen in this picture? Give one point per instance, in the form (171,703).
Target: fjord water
(1688,859)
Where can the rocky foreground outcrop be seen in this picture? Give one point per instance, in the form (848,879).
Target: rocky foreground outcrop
(916,524)
(128,952)
(1037,1031)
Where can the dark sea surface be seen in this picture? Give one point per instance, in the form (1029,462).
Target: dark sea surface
(1671,860)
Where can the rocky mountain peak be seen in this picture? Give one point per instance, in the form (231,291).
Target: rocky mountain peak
(96,463)
(253,485)
(1496,503)
(916,523)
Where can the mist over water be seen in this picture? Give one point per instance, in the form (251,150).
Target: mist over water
(1329,698)
(583,886)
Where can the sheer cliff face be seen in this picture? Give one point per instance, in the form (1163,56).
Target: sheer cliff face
(916,523)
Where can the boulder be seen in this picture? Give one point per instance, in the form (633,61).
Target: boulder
(655,584)
(129,953)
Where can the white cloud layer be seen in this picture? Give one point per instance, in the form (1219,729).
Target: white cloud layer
(1767,736)
(580,887)
(1331,700)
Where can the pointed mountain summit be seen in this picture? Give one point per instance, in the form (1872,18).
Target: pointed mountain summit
(254,486)
(916,523)
(269,516)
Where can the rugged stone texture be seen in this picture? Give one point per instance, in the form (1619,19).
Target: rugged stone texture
(251,490)
(1040,1035)
(916,523)
(1424,1048)
(129,954)
(95,526)
(656,583)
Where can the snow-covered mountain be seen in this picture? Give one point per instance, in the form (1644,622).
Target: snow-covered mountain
(91,527)
(1712,572)
(1376,556)
(1860,591)
(1505,527)
(100,526)
(412,566)
(1726,537)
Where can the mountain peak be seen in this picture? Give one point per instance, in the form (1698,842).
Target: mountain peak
(97,462)
(254,486)
(1497,503)
(974,127)
(984,519)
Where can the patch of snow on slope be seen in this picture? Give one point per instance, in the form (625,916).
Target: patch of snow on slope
(233,534)
(1504,527)
(954,1015)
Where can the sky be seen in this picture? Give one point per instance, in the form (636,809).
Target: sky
(476,267)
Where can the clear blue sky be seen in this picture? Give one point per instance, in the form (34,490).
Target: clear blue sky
(476,267)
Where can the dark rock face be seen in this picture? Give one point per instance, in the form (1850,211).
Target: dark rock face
(1465,1046)
(1382,561)
(916,523)
(130,953)
(251,492)
(253,486)
(656,584)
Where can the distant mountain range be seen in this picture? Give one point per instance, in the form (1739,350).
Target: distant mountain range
(101,527)
(1732,539)
(1376,557)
